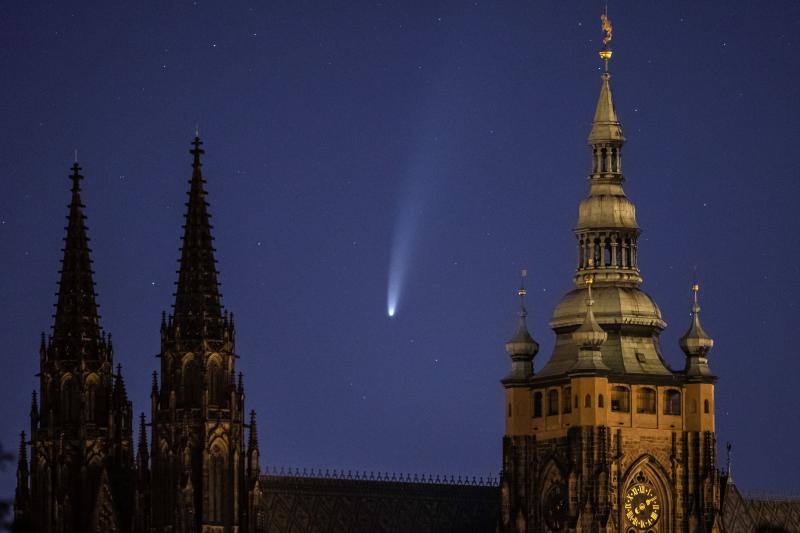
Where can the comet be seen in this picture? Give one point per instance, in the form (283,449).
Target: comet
(429,166)
(403,240)
(416,195)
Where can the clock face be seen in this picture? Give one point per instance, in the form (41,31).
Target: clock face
(555,508)
(642,507)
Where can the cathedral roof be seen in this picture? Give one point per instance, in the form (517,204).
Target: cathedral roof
(299,503)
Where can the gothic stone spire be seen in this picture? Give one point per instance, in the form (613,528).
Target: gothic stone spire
(142,454)
(22,494)
(197,300)
(76,328)
(252,443)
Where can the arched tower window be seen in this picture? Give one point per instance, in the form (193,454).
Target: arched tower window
(164,471)
(43,491)
(672,402)
(567,401)
(600,401)
(70,403)
(646,401)
(607,252)
(217,485)
(91,402)
(620,400)
(706,407)
(587,402)
(603,153)
(216,384)
(552,402)
(192,383)
(537,404)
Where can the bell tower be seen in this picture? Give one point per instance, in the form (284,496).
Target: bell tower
(198,478)
(81,456)
(606,437)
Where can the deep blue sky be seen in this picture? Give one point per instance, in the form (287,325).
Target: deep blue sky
(320,121)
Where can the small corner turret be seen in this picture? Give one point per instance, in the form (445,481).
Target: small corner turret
(521,347)
(696,343)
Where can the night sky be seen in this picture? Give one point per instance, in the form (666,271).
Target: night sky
(454,132)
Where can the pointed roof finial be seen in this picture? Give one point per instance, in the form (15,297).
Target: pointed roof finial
(22,493)
(120,394)
(76,176)
(252,443)
(142,445)
(589,335)
(729,476)
(522,292)
(23,451)
(606,126)
(34,404)
(696,342)
(196,151)
(521,347)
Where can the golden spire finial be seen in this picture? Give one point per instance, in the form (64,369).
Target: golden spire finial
(522,275)
(522,292)
(605,53)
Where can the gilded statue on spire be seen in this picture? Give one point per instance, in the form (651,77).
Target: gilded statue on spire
(605,53)
(606,25)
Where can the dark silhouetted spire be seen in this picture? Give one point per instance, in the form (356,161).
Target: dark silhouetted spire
(34,404)
(76,328)
(252,443)
(34,414)
(22,498)
(729,467)
(197,300)
(143,456)
(253,466)
(120,394)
